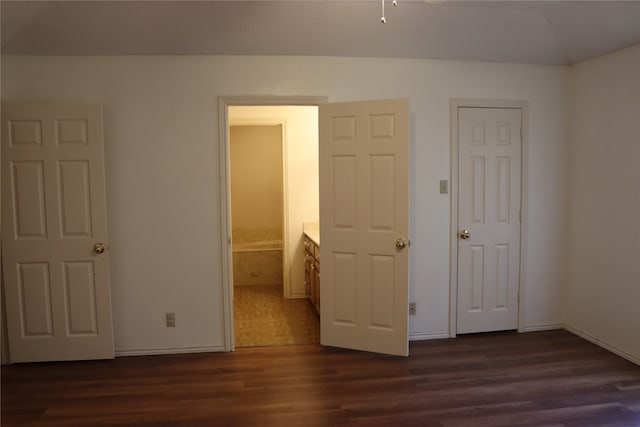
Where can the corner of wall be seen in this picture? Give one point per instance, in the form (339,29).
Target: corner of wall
(601,272)
(568,95)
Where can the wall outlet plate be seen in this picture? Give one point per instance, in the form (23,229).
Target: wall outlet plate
(444,186)
(412,309)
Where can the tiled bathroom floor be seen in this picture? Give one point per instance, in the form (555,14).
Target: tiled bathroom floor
(263,318)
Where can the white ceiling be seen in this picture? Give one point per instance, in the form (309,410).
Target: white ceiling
(540,32)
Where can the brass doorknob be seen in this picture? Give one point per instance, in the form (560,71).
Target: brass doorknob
(465,235)
(99,248)
(401,243)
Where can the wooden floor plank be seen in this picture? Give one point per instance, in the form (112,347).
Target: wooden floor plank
(548,378)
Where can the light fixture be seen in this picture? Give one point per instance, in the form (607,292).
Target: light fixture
(383,19)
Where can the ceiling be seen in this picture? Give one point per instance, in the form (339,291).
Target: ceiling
(537,32)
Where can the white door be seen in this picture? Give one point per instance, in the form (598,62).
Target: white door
(53,215)
(489,163)
(364,225)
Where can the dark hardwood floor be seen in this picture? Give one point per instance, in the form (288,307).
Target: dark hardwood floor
(505,379)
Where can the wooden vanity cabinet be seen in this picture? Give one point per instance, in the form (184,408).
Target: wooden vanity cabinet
(312,271)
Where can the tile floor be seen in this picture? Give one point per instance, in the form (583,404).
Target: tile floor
(263,318)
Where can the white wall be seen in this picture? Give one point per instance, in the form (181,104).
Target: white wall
(161,148)
(603,296)
(301,164)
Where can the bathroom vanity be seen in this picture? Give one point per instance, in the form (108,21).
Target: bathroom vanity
(312,264)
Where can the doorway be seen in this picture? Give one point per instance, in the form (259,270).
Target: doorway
(272,178)
(382,309)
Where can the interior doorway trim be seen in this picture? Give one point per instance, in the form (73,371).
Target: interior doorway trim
(455,104)
(225,189)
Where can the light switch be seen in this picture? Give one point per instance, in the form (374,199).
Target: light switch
(444,186)
(170,320)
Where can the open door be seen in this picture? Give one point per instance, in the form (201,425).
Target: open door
(54,241)
(364,225)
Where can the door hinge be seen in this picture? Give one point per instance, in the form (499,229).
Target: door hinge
(520,133)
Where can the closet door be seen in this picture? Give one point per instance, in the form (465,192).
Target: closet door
(54,241)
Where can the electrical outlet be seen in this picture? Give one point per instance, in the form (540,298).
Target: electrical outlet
(412,309)
(171,320)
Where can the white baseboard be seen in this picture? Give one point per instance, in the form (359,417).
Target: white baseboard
(543,327)
(418,336)
(159,351)
(603,344)
(415,336)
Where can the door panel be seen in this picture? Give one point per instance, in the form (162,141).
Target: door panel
(344,192)
(75,212)
(489,206)
(27,190)
(344,288)
(79,288)
(35,304)
(57,292)
(363,210)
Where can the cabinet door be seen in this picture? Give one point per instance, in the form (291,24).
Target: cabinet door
(307,267)
(316,277)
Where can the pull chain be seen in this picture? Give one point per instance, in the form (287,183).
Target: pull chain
(383,19)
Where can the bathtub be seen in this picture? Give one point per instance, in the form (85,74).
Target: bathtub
(267,245)
(257,263)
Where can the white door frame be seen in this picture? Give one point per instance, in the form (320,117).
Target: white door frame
(456,103)
(225,191)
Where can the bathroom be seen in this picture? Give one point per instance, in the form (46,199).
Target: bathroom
(256,204)
(273,175)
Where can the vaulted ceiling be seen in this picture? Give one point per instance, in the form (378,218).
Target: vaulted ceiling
(538,32)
